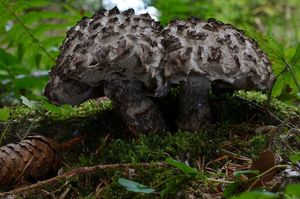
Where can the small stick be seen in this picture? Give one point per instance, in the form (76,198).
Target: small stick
(77,172)
(256,178)
(267,111)
(236,156)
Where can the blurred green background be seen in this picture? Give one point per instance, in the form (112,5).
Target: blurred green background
(32,31)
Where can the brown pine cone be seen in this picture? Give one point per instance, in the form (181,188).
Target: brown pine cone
(34,158)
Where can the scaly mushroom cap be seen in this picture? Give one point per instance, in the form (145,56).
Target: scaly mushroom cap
(110,45)
(216,51)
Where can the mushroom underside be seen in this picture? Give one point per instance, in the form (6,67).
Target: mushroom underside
(71,92)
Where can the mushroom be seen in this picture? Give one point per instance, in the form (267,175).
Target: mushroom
(203,54)
(130,59)
(113,54)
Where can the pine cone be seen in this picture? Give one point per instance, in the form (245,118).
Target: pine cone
(34,158)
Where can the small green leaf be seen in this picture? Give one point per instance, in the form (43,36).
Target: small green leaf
(257,195)
(3,72)
(134,186)
(295,157)
(183,167)
(30,103)
(27,102)
(293,190)
(7,58)
(239,173)
(4,114)
(278,86)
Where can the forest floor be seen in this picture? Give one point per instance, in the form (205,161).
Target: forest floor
(221,160)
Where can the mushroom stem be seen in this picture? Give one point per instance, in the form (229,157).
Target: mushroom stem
(137,110)
(193,106)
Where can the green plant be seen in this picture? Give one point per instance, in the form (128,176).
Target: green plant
(285,63)
(257,195)
(176,181)
(4,114)
(31,32)
(295,157)
(292,191)
(172,183)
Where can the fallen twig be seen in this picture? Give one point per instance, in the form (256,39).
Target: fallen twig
(267,111)
(256,178)
(236,156)
(77,172)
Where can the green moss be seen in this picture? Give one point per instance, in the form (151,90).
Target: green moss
(281,108)
(255,145)
(146,148)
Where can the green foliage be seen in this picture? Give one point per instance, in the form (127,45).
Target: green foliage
(30,33)
(237,12)
(183,167)
(292,191)
(257,195)
(295,157)
(4,114)
(285,62)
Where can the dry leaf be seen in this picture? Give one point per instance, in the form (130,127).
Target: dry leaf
(266,161)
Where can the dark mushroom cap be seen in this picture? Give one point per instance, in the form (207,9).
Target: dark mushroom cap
(216,51)
(109,45)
